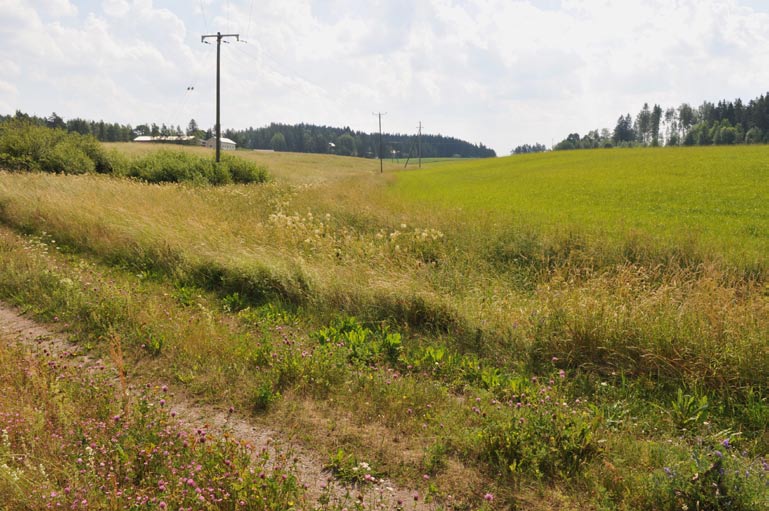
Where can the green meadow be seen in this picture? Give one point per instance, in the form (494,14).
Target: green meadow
(715,197)
(571,330)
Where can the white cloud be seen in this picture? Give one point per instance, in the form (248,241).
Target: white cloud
(55,8)
(497,71)
(116,8)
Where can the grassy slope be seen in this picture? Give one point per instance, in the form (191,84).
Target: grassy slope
(627,335)
(718,195)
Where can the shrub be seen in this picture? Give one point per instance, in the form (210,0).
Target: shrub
(66,157)
(180,166)
(28,147)
(244,171)
(170,166)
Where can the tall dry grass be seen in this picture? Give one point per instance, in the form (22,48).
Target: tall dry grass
(344,246)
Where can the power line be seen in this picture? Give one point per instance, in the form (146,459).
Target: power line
(203,11)
(219,36)
(250,12)
(227,9)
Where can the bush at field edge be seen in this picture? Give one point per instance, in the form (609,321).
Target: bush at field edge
(32,148)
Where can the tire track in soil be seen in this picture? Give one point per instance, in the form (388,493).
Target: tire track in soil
(383,495)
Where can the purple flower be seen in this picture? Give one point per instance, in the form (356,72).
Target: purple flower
(488,497)
(726,443)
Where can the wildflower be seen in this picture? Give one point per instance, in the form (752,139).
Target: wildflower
(726,443)
(562,373)
(426,477)
(164,388)
(416,496)
(162,504)
(488,497)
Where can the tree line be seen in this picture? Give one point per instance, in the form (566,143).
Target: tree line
(310,138)
(722,123)
(302,138)
(529,148)
(106,131)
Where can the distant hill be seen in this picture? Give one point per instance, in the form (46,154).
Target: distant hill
(310,138)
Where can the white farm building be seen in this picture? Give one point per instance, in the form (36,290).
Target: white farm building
(167,139)
(227,144)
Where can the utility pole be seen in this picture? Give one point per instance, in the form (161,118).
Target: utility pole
(419,144)
(219,36)
(380,114)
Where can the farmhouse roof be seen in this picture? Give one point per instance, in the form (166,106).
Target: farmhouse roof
(165,138)
(225,140)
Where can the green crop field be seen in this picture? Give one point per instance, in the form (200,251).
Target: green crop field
(716,196)
(572,330)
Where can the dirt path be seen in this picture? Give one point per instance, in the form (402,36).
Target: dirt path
(383,495)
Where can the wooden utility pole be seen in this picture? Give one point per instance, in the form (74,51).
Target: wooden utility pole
(380,114)
(219,36)
(419,144)
(419,147)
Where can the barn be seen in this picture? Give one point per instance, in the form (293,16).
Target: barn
(227,144)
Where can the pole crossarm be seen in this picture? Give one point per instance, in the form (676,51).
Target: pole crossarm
(219,36)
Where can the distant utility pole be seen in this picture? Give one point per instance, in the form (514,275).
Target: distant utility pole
(419,144)
(380,114)
(419,147)
(219,36)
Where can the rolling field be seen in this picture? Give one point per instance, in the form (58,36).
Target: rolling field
(574,330)
(715,196)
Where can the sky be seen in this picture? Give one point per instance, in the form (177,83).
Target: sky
(498,72)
